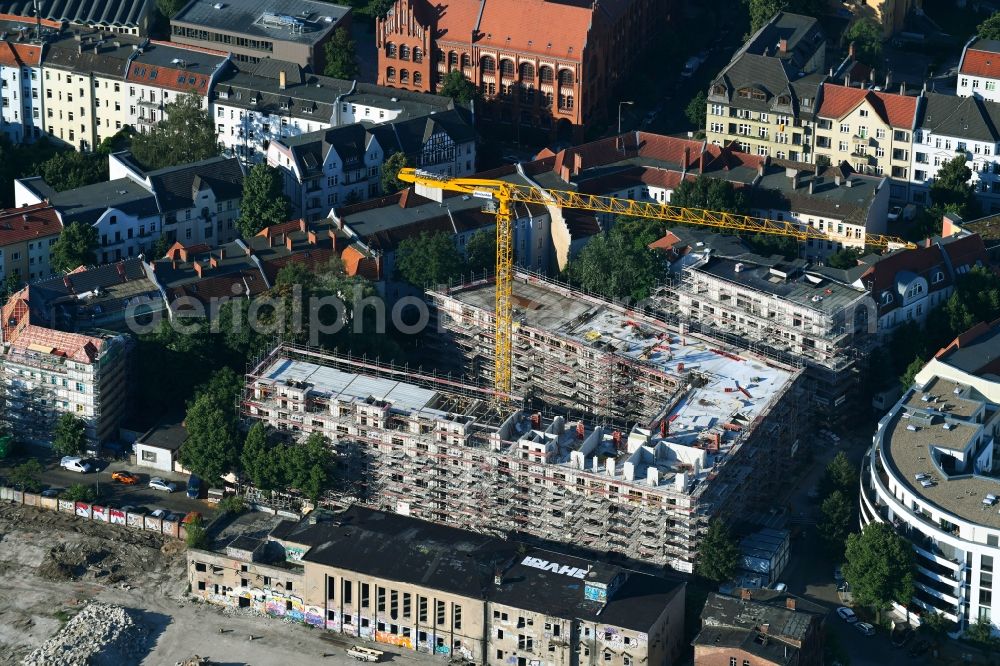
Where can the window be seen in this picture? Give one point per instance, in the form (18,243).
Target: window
(422,609)
(439,614)
(506,67)
(845,128)
(487,64)
(457,616)
(565,77)
(418,79)
(527,71)
(348,593)
(545,74)
(879,133)
(380,599)
(365,600)
(418,55)
(148,456)
(732,661)
(390,73)
(390,50)
(404,52)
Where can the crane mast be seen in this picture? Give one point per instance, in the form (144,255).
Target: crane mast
(503,195)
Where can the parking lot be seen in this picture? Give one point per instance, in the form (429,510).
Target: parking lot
(112,492)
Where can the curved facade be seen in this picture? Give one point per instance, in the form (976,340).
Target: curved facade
(932,473)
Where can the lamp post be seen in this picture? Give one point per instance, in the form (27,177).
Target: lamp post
(620,105)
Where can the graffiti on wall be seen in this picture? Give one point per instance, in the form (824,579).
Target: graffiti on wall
(101,513)
(313,615)
(393,639)
(82,509)
(117,517)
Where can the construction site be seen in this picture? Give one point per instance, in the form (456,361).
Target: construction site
(646,433)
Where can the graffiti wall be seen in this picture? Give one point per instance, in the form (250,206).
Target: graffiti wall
(394,639)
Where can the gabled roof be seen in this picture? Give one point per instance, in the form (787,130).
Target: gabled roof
(121,13)
(20,55)
(894,110)
(174,67)
(176,187)
(88,203)
(76,347)
(982,59)
(27,223)
(964,117)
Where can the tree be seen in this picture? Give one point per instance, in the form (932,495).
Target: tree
(264,202)
(614,265)
(990,28)
(709,193)
(186,134)
(70,436)
(10,286)
(840,475)
(695,111)
(308,465)
(455,85)
(867,38)
(761,11)
(481,253)
(952,189)
(718,555)
(70,170)
(378,8)
(910,374)
(844,258)
(981,632)
(117,142)
(195,535)
(879,567)
(159,248)
(169,8)
(428,259)
(341,56)
(27,475)
(212,445)
(836,523)
(390,169)
(258,459)
(80,492)
(76,246)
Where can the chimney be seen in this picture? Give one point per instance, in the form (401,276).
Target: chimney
(311,236)
(536,420)
(213,262)
(927,242)
(249,249)
(282,80)
(812,184)
(745,594)
(664,428)
(902,88)
(222,252)
(790,603)
(577,163)
(795,180)
(198,268)
(765,628)
(288,242)
(836,180)
(687,159)
(579,430)
(616,437)
(302,224)
(847,80)
(783,45)
(851,50)
(333,238)
(760,169)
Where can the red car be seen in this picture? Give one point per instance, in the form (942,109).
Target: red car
(128,478)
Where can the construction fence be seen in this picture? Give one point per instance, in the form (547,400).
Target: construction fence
(96,512)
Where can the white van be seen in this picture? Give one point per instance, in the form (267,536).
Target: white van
(75,464)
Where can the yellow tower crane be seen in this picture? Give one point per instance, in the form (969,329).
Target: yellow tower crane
(502,195)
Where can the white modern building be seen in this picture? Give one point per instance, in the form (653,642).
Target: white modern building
(20,79)
(979,70)
(949,126)
(932,474)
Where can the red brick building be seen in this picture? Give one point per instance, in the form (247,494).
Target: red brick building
(546,64)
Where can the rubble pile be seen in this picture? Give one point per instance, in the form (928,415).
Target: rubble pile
(99,634)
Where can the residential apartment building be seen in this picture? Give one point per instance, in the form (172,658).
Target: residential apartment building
(255,104)
(46,372)
(872,131)
(26,239)
(461,594)
(20,79)
(292,30)
(766,97)
(949,126)
(979,70)
(412,445)
(197,202)
(759,627)
(342,165)
(890,15)
(930,476)
(543,65)
(127,17)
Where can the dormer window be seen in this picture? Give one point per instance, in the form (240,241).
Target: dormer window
(938,277)
(751,93)
(719,89)
(784,100)
(886,297)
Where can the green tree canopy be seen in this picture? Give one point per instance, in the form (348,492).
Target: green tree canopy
(844,258)
(390,169)
(264,202)
(308,465)
(70,435)
(10,286)
(696,110)
(341,56)
(617,265)
(761,11)
(80,492)
(212,446)
(840,474)
(378,8)
(990,28)
(867,38)
(169,8)
(455,85)
(70,169)
(187,134)
(709,193)
(481,252)
(879,567)
(718,554)
(27,476)
(908,376)
(259,460)
(429,259)
(952,189)
(838,513)
(76,247)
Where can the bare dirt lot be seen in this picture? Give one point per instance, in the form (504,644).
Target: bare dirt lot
(53,566)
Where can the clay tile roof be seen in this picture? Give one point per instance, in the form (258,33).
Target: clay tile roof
(979,62)
(21,224)
(356,263)
(76,347)
(555,29)
(20,55)
(895,110)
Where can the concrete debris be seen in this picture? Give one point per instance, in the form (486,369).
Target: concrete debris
(99,634)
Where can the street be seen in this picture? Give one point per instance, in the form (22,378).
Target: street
(112,492)
(810,569)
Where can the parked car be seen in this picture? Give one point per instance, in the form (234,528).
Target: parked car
(847,615)
(156,483)
(895,212)
(158,513)
(174,517)
(780,587)
(865,628)
(194,487)
(52,492)
(75,464)
(128,478)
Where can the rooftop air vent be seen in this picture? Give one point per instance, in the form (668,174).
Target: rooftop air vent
(218,5)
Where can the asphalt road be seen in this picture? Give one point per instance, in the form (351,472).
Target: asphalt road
(810,569)
(112,492)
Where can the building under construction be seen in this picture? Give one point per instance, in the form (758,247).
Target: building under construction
(694,430)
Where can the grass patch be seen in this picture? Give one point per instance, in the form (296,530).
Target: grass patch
(64,615)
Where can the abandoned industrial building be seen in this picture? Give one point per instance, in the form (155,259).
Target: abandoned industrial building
(710,433)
